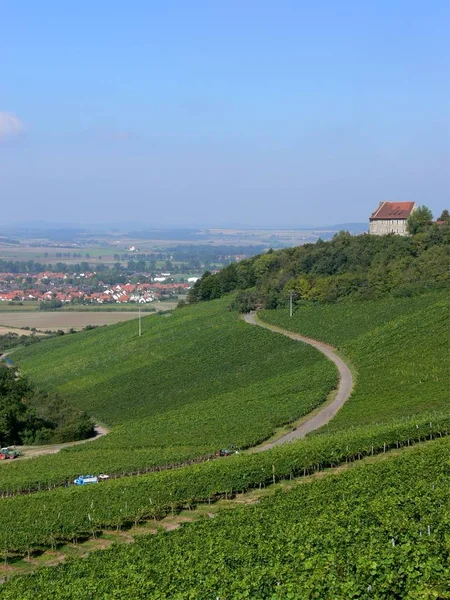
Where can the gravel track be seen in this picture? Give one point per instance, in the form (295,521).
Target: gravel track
(34,451)
(343,393)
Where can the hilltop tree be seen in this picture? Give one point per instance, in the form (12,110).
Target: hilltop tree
(445,215)
(419,220)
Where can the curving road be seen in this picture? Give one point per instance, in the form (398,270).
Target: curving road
(327,413)
(33,451)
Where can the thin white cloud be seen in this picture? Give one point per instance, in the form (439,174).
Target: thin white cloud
(10,125)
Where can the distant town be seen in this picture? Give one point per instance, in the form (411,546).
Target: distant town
(53,268)
(86,288)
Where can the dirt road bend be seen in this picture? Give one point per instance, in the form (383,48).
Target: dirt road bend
(343,393)
(33,451)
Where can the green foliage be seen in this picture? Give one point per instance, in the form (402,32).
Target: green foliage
(399,347)
(176,417)
(244,302)
(52,304)
(15,419)
(445,215)
(11,340)
(379,531)
(264,263)
(30,416)
(364,266)
(419,220)
(124,500)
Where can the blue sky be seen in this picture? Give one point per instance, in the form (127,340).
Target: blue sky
(202,113)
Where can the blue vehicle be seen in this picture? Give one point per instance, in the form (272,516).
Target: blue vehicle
(85,479)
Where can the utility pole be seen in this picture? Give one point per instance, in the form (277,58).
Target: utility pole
(290,304)
(140,331)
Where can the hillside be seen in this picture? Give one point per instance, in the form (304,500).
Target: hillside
(203,379)
(398,346)
(194,382)
(379,531)
(358,267)
(198,354)
(174,401)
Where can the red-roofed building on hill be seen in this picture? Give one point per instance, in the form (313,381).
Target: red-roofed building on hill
(391,217)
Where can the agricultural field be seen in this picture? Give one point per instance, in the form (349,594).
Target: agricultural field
(46,518)
(31,306)
(157,306)
(168,396)
(19,307)
(398,346)
(18,331)
(171,400)
(378,530)
(64,320)
(51,254)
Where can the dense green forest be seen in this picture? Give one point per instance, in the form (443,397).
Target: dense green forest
(31,416)
(364,266)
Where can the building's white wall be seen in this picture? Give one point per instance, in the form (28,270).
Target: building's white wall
(385,226)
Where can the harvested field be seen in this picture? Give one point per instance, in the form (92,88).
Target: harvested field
(131,307)
(64,320)
(6,330)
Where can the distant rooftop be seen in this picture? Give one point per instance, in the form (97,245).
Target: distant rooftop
(393,210)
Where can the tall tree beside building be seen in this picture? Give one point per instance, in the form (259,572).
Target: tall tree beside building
(419,220)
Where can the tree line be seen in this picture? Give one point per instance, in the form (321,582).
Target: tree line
(364,266)
(31,416)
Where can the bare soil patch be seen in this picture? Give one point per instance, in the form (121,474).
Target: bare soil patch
(64,320)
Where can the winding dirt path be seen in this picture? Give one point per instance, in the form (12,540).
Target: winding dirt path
(344,389)
(33,451)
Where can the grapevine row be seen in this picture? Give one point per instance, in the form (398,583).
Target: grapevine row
(376,531)
(46,519)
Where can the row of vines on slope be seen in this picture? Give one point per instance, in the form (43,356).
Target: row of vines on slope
(47,518)
(190,385)
(399,348)
(377,531)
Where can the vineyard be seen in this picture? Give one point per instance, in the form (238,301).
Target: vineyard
(375,531)
(45,519)
(168,395)
(194,355)
(399,347)
(173,402)
(293,380)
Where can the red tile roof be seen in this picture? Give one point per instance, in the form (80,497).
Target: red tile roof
(393,210)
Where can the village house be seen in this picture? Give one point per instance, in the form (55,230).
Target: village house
(391,217)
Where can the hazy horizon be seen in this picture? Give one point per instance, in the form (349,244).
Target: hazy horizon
(197,114)
(127,225)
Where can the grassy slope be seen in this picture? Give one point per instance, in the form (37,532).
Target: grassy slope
(400,348)
(195,381)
